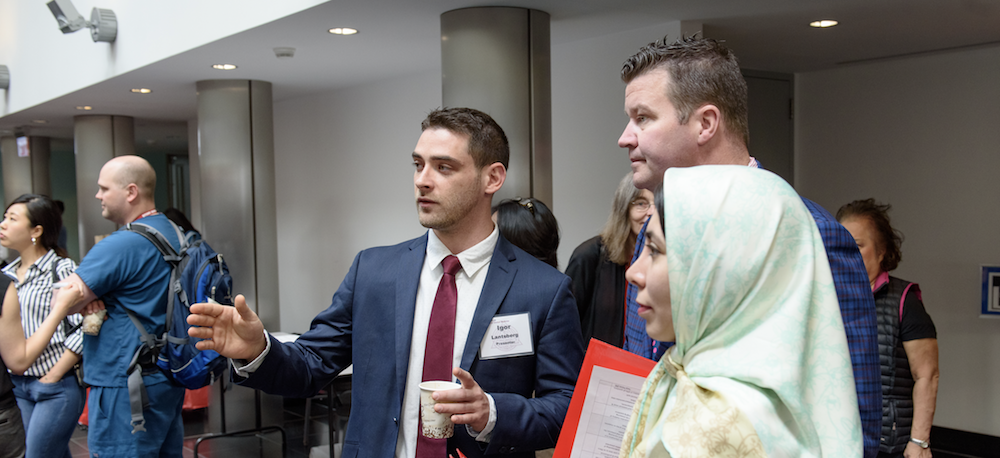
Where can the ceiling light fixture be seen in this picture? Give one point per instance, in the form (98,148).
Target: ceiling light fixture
(141,90)
(224,67)
(343,31)
(84,107)
(822,24)
(39,121)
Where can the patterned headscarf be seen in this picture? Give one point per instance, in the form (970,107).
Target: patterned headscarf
(761,365)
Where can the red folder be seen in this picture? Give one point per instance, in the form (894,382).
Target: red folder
(604,355)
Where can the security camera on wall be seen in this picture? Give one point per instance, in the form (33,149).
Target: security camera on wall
(103,24)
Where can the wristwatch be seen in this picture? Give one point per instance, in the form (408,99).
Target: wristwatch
(922,444)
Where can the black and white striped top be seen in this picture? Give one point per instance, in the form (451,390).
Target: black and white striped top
(35,296)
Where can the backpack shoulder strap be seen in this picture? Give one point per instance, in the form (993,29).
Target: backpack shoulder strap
(158,240)
(172,257)
(147,339)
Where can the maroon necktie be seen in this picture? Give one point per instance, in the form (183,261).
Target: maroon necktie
(440,348)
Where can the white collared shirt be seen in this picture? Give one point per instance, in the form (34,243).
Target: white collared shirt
(35,296)
(469,283)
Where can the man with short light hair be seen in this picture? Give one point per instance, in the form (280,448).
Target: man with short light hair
(687,105)
(126,271)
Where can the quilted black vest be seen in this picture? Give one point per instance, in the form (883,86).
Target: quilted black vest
(897,381)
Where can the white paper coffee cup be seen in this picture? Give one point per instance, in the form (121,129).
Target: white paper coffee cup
(433,424)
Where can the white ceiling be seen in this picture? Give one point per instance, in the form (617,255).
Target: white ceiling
(400,37)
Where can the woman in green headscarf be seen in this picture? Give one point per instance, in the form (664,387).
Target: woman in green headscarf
(734,271)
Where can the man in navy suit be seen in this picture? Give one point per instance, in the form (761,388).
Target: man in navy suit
(513,397)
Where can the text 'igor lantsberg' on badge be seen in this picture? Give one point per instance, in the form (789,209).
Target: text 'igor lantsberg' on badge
(507,336)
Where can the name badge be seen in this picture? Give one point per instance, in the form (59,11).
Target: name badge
(507,336)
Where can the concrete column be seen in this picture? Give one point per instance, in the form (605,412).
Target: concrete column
(41,178)
(16,170)
(497,60)
(24,175)
(195,174)
(236,168)
(232,176)
(96,140)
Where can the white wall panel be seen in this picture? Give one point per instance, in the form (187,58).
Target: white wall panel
(921,133)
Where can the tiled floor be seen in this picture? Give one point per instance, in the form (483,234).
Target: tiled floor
(267,445)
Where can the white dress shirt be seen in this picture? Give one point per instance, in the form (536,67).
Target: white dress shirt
(469,283)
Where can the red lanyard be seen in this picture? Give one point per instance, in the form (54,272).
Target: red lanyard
(148,213)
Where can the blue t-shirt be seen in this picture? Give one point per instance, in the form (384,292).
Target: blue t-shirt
(125,270)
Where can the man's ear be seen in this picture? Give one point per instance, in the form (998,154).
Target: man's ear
(493,177)
(132,192)
(708,121)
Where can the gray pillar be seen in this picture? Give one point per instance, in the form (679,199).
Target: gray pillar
(16,170)
(232,176)
(24,175)
(96,140)
(195,174)
(497,60)
(41,178)
(236,168)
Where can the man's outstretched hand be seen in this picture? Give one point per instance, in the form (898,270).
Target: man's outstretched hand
(233,332)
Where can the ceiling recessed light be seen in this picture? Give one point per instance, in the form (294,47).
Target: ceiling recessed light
(85,107)
(224,67)
(39,121)
(823,23)
(343,31)
(142,90)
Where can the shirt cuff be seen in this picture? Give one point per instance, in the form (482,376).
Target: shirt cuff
(245,369)
(487,432)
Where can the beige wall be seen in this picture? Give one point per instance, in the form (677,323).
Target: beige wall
(921,133)
(344,180)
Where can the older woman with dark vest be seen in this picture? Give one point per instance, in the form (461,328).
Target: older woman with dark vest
(907,337)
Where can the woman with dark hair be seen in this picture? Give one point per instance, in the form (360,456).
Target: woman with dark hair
(597,266)
(530,226)
(734,272)
(907,338)
(45,385)
(180,219)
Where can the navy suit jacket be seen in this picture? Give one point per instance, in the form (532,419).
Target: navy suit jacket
(370,324)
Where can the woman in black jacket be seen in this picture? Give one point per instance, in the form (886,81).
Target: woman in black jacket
(597,267)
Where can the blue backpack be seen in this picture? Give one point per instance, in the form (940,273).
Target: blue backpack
(199,274)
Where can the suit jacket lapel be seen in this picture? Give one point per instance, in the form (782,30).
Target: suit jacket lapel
(498,280)
(410,265)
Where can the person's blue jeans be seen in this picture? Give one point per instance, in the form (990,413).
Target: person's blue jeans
(49,412)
